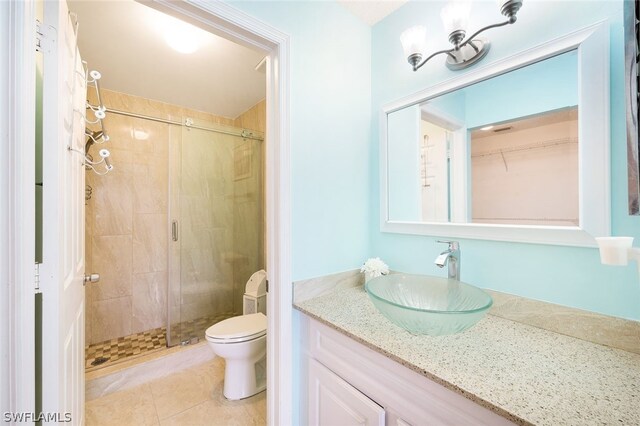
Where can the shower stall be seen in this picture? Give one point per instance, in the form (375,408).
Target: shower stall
(175,229)
(215,211)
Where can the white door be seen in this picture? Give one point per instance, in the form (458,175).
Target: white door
(334,402)
(62,269)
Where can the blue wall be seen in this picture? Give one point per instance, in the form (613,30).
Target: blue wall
(330,97)
(330,137)
(405,190)
(563,275)
(545,86)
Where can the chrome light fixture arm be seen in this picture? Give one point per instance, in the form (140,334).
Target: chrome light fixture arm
(414,60)
(465,51)
(488,27)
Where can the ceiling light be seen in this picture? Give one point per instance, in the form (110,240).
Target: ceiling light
(183,37)
(455,18)
(485,128)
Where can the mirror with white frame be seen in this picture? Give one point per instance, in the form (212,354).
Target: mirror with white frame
(515,151)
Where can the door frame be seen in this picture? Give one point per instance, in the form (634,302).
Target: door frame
(17,178)
(232,24)
(17,207)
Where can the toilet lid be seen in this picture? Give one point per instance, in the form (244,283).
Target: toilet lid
(240,327)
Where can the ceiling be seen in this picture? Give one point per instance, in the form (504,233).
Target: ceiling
(538,120)
(372,11)
(124,40)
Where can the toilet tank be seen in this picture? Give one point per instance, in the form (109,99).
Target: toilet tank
(255,294)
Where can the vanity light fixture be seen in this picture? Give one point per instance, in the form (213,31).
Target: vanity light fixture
(455,17)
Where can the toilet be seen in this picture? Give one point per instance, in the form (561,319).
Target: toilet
(242,342)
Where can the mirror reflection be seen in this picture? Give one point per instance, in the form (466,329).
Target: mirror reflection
(501,151)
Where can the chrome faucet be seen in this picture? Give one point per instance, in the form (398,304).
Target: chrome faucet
(450,256)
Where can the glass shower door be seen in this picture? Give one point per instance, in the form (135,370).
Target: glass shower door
(216,226)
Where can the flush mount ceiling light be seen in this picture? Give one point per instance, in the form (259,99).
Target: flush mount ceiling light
(455,17)
(181,36)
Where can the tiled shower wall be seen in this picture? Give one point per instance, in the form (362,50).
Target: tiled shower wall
(250,222)
(126,220)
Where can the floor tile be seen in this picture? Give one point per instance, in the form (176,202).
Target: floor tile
(130,407)
(210,413)
(181,391)
(190,397)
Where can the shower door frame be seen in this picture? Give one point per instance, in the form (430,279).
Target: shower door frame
(228,22)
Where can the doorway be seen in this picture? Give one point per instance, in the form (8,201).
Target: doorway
(218,18)
(174,227)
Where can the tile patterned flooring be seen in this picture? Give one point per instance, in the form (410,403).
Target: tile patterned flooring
(128,347)
(190,397)
(125,347)
(195,328)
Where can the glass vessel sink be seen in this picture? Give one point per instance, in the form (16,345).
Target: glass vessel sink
(428,305)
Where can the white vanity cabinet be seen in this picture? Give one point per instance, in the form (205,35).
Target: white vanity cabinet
(335,402)
(347,383)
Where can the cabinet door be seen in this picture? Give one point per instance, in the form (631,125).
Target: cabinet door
(334,402)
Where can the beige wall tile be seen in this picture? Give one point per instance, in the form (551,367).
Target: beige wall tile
(111,319)
(150,187)
(112,256)
(128,217)
(149,301)
(113,202)
(255,118)
(217,301)
(150,242)
(88,314)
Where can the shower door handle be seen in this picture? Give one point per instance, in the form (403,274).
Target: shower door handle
(174,230)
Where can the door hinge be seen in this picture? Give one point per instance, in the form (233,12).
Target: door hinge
(44,36)
(37,278)
(39,36)
(267,286)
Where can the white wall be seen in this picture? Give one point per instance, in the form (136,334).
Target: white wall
(539,183)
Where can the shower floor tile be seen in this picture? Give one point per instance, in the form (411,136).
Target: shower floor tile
(195,328)
(126,347)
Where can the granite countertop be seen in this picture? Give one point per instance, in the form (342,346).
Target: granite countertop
(526,374)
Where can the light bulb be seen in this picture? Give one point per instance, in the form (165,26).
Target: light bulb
(455,15)
(414,41)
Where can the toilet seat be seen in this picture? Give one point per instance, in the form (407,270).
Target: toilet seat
(238,329)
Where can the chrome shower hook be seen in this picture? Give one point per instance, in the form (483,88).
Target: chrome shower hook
(95,76)
(104,154)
